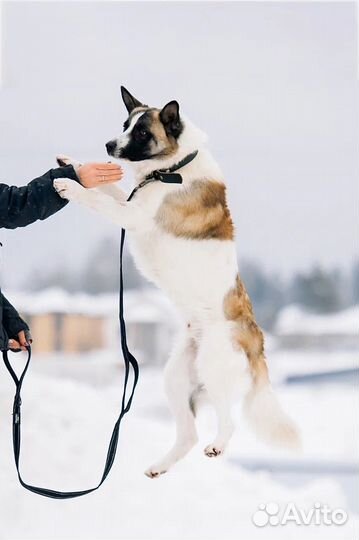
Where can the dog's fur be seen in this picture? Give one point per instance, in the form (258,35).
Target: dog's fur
(182,239)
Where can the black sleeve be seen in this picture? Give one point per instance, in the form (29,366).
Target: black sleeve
(20,206)
(11,320)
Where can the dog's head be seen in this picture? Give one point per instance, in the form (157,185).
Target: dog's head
(149,133)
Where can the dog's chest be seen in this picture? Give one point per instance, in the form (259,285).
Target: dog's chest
(154,253)
(195,275)
(180,251)
(153,249)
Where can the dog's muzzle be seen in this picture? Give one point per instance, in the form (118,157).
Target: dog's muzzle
(111,147)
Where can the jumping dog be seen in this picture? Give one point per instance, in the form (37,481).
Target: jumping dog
(182,239)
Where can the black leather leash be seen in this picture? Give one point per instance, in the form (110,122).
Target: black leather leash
(162,175)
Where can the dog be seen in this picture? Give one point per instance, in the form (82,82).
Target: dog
(182,239)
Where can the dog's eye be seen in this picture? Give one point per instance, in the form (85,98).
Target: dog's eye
(142,134)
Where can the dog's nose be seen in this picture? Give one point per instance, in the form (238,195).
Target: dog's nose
(111,147)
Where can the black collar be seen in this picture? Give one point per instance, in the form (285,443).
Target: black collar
(168,175)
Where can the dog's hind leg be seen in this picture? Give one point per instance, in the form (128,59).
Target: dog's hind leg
(178,386)
(223,371)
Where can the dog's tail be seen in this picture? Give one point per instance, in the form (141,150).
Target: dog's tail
(263,410)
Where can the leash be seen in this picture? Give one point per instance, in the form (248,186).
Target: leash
(163,175)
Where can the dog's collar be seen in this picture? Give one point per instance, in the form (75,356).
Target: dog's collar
(168,176)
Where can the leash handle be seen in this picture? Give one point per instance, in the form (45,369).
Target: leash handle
(129,361)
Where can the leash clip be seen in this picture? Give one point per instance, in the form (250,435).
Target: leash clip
(157,175)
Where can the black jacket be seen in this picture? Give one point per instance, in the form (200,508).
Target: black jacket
(20,206)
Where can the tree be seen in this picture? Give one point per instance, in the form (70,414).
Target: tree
(266,292)
(61,277)
(100,274)
(318,290)
(102,271)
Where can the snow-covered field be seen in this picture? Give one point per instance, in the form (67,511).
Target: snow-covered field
(67,420)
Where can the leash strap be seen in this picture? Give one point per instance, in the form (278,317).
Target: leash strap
(130,363)
(166,176)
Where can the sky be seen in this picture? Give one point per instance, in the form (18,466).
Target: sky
(273,84)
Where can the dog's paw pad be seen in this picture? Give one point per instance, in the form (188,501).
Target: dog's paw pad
(154,473)
(213,451)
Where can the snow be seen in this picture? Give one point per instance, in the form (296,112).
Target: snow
(66,427)
(294,320)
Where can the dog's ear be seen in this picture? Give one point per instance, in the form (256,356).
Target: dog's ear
(129,101)
(170,118)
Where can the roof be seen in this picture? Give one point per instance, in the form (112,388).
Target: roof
(145,305)
(294,319)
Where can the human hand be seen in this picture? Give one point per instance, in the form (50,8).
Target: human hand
(23,340)
(92,175)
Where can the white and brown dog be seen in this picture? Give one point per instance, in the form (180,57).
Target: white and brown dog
(182,239)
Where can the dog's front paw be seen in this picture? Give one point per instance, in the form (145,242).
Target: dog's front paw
(63,160)
(68,189)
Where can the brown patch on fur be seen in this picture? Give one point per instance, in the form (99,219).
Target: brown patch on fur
(168,144)
(247,334)
(198,212)
(163,144)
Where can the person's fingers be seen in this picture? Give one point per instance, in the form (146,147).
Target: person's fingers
(107,181)
(110,172)
(14,345)
(106,174)
(95,174)
(28,336)
(106,166)
(22,339)
(104,177)
(108,169)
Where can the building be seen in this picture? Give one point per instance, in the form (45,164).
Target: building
(297,328)
(67,323)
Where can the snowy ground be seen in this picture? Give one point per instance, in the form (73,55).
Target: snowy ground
(68,414)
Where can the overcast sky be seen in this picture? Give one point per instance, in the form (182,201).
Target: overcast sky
(274,85)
